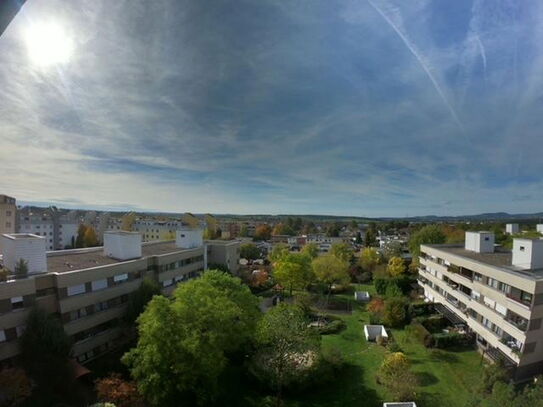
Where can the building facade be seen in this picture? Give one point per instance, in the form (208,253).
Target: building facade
(496,293)
(8,211)
(88,288)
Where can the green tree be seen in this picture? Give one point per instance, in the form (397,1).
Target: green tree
(333,229)
(293,270)
(21,268)
(288,347)
(430,234)
(282,229)
(45,348)
(395,312)
(370,259)
(80,240)
(243,231)
(330,270)
(342,251)
(311,250)
(138,299)
(183,344)
(396,267)
(393,249)
(279,251)
(493,374)
(249,251)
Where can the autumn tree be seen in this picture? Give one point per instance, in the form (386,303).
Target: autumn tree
(15,386)
(395,312)
(263,232)
(183,343)
(330,270)
(369,259)
(396,267)
(342,251)
(249,251)
(311,250)
(395,374)
(120,392)
(282,229)
(90,239)
(287,347)
(293,270)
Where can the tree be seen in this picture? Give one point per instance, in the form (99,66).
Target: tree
(21,268)
(293,270)
(430,234)
(370,238)
(395,312)
(493,374)
(393,249)
(45,349)
(342,251)
(282,229)
(396,375)
(138,299)
(279,251)
(15,386)
(330,270)
(243,231)
(120,392)
(80,240)
(288,347)
(127,221)
(393,290)
(333,229)
(369,259)
(396,266)
(311,250)
(183,343)
(90,239)
(249,251)
(263,232)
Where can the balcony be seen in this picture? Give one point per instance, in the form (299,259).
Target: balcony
(519,300)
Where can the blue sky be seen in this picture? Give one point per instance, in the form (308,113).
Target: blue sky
(369,108)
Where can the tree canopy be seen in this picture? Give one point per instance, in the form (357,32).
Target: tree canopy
(249,251)
(278,252)
(311,249)
(183,344)
(293,270)
(396,266)
(263,232)
(330,270)
(369,259)
(430,234)
(342,251)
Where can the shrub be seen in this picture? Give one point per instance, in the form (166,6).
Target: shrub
(393,291)
(451,340)
(418,310)
(394,347)
(332,327)
(376,305)
(381,285)
(421,334)
(395,312)
(435,324)
(380,340)
(376,318)
(364,277)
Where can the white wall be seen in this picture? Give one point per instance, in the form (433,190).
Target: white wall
(66,233)
(189,238)
(512,228)
(480,242)
(29,247)
(528,253)
(539,228)
(122,245)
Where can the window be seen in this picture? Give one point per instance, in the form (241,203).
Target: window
(99,284)
(17,303)
(8,224)
(2,335)
(8,213)
(521,248)
(80,313)
(167,283)
(20,329)
(101,306)
(120,278)
(76,290)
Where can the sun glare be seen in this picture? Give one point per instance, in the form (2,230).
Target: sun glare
(48,44)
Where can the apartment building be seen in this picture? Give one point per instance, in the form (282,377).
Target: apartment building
(495,293)
(88,288)
(58,228)
(8,211)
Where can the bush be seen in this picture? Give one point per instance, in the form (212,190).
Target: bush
(435,324)
(381,285)
(394,347)
(395,312)
(425,309)
(364,277)
(376,318)
(393,291)
(380,340)
(332,327)
(417,330)
(451,340)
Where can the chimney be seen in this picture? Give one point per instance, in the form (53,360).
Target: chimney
(26,246)
(189,238)
(528,253)
(122,245)
(480,242)
(512,228)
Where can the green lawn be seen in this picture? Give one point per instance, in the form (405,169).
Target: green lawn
(446,377)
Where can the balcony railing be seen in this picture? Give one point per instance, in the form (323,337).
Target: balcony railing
(518,300)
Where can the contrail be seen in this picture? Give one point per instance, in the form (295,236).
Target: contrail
(483,53)
(413,50)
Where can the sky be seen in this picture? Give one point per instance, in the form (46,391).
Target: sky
(362,108)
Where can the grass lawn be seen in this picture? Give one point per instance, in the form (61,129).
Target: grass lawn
(446,377)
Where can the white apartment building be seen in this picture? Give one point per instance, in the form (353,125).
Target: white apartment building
(512,228)
(59,230)
(496,293)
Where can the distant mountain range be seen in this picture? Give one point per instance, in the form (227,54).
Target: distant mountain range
(494,216)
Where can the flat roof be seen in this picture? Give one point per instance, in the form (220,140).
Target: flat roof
(62,261)
(501,258)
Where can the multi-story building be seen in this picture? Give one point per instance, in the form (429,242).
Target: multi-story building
(496,293)
(8,210)
(59,229)
(88,288)
(156,230)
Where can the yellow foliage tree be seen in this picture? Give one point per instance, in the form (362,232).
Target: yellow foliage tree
(396,266)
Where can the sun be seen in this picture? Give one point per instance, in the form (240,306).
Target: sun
(48,44)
